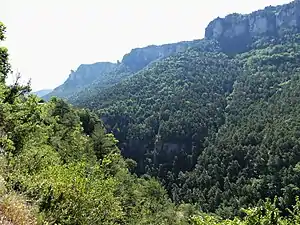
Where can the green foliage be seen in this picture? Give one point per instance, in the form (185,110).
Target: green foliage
(268,214)
(255,153)
(68,168)
(73,177)
(221,133)
(4,65)
(64,162)
(181,99)
(85,83)
(77,193)
(218,131)
(2,31)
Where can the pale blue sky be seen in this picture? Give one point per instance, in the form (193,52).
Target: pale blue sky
(48,38)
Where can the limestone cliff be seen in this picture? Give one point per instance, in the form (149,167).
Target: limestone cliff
(85,75)
(138,58)
(235,32)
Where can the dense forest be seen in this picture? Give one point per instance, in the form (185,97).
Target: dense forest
(200,132)
(216,125)
(217,131)
(60,166)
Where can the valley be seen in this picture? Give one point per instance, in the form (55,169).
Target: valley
(184,133)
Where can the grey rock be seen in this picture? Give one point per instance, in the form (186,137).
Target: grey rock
(271,21)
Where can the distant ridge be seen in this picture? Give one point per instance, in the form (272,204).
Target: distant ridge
(42,92)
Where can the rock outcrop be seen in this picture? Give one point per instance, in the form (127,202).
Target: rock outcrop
(138,58)
(84,76)
(104,74)
(235,32)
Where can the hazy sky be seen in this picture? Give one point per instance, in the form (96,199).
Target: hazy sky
(48,38)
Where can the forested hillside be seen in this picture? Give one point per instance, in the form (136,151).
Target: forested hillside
(217,125)
(134,62)
(255,154)
(201,132)
(105,74)
(58,165)
(238,115)
(162,114)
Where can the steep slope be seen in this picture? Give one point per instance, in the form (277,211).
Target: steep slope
(238,113)
(218,121)
(162,114)
(90,92)
(237,32)
(135,61)
(89,79)
(58,165)
(139,58)
(256,153)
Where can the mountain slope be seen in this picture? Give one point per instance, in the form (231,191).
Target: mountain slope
(218,122)
(58,165)
(137,60)
(162,114)
(225,109)
(256,153)
(82,77)
(239,114)
(89,79)
(237,32)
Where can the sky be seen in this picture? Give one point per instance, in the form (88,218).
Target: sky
(47,39)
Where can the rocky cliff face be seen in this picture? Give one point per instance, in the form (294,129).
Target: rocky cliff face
(85,75)
(138,58)
(235,32)
(101,73)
